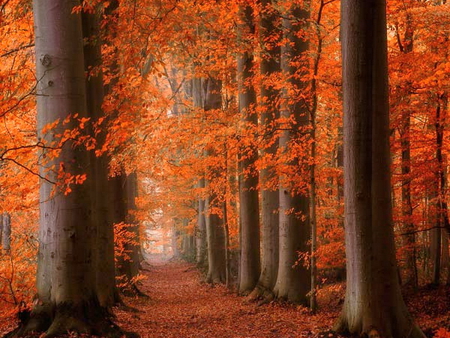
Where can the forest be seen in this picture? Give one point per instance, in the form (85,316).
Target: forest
(211,168)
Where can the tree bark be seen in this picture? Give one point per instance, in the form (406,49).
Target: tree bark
(104,248)
(294,280)
(409,241)
(128,265)
(66,278)
(5,238)
(269,66)
(248,179)
(215,234)
(200,234)
(373,297)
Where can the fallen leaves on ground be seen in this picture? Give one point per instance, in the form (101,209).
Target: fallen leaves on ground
(180,305)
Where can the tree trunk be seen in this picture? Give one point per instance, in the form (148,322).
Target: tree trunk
(128,265)
(66,277)
(200,234)
(6,232)
(373,298)
(312,173)
(407,209)
(104,248)
(269,66)
(409,241)
(294,279)
(174,238)
(198,96)
(248,178)
(215,234)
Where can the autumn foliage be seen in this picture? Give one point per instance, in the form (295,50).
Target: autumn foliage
(156,125)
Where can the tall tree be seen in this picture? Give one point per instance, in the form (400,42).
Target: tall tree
(200,232)
(269,68)
(104,253)
(373,299)
(215,234)
(67,297)
(248,179)
(293,280)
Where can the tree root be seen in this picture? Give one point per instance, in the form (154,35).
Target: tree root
(133,291)
(59,320)
(261,295)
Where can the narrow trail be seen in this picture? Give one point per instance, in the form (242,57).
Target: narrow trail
(182,306)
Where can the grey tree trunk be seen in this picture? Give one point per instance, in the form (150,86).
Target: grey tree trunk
(200,234)
(201,242)
(269,66)
(248,178)
(215,234)
(294,279)
(5,235)
(373,298)
(66,277)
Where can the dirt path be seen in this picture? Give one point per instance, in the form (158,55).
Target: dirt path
(183,307)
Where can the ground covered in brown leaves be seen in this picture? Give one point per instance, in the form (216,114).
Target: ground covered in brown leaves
(181,306)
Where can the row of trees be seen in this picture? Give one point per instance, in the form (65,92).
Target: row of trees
(227,116)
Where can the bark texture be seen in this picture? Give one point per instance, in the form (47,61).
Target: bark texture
(373,297)
(5,232)
(104,236)
(215,233)
(269,66)
(294,279)
(66,278)
(248,179)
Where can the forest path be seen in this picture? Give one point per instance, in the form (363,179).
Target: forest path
(182,306)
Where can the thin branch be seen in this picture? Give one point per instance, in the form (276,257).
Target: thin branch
(28,169)
(15,50)
(421,230)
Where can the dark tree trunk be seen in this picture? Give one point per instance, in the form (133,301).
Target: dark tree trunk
(373,297)
(269,66)
(104,248)
(294,279)
(128,264)
(248,178)
(200,234)
(409,241)
(215,233)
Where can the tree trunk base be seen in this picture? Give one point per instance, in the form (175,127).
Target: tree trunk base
(58,320)
(261,294)
(411,331)
(133,291)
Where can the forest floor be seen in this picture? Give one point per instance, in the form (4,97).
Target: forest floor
(182,306)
